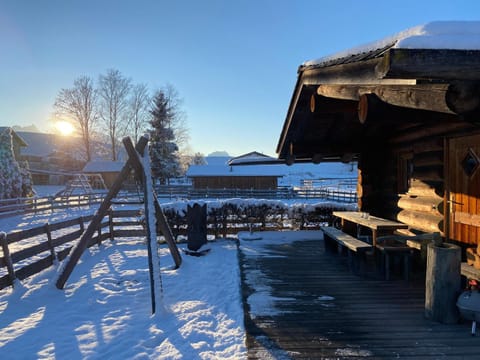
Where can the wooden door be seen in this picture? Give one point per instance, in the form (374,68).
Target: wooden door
(464,189)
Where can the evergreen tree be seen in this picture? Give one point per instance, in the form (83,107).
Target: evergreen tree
(163,148)
(15,181)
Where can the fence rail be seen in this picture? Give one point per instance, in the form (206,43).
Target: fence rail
(304,192)
(10,207)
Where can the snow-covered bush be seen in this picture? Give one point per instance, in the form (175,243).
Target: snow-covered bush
(15,180)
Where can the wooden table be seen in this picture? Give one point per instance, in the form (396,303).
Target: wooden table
(374,223)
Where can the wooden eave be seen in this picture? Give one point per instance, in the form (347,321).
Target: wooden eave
(427,81)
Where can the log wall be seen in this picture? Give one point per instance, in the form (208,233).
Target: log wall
(415,153)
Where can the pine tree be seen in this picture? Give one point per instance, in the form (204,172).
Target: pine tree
(15,181)
(163,149)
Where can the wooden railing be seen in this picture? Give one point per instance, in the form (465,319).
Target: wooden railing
(10,207)
(187,192)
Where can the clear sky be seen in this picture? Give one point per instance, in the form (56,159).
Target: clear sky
(234,63)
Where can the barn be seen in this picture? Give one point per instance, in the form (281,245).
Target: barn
(225,176)
(408,109)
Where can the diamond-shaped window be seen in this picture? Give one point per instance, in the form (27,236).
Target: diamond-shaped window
(470,163)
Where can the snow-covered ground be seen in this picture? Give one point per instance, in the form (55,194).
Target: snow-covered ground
(105,309)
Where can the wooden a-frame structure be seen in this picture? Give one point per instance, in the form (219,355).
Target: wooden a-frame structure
(135,163)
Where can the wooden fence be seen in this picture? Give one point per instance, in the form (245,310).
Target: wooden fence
(10,207)
(28,252)
(304,192)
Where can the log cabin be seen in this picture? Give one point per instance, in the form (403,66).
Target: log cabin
(407,108)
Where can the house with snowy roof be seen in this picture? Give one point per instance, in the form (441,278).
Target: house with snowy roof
(408,109)
(51,157)
(18,142)
(108,170)
(221,175)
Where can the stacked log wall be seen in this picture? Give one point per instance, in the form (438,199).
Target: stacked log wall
(422,206)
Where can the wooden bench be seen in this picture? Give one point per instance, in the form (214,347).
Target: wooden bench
(469,271)
(343,241)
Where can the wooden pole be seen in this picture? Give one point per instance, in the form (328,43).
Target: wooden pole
(97,219)
(161,219)
(442,282)
(151,236)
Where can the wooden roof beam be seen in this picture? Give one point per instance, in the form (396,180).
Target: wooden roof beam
(442,64)
(455,98)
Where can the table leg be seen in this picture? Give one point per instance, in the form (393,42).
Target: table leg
(387,265)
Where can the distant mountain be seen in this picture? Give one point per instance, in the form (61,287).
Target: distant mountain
(219,153)
(29,128)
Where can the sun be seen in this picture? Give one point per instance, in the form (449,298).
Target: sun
(64,127)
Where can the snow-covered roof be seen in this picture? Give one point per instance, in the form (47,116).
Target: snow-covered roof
(102,166)
(452,35)
(305,170)
(225,170)
(39,144)
(15,135)
(251,157)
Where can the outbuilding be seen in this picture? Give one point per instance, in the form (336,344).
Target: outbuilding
(225,176)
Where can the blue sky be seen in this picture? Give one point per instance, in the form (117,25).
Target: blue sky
(234,63)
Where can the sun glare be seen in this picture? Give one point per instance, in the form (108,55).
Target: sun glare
(64,127)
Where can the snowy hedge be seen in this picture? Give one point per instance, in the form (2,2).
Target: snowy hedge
(264,213)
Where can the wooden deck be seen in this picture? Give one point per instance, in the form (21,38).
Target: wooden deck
(318,309)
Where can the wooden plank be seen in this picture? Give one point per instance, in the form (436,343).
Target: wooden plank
(346,240)
(30,252)
(67,238)
(129,233)
(466,218)
(365,318)
(24,234)
(469,271)
(5,281)
(34,267)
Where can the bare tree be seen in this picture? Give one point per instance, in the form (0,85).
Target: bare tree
(113,89)
(138,110)
(78,105)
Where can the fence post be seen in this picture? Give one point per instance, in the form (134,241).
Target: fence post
(50,242)
(7,257)
(82,223)
(110,223)
(99,232)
